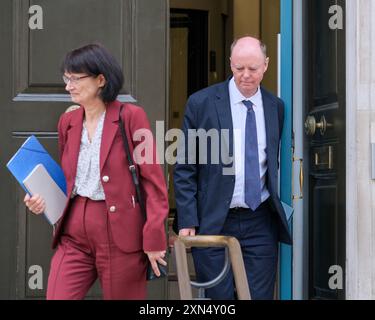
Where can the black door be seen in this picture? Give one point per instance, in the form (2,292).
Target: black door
(325,129)
(32,98)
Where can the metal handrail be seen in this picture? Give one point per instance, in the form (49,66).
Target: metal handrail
(235,255)
(210,284)
(218,279)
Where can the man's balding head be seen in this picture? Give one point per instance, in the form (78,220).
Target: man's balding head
(253,40)
(249,62)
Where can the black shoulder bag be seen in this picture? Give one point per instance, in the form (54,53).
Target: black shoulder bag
(150,272)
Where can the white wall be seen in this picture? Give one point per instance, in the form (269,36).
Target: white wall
(360,28)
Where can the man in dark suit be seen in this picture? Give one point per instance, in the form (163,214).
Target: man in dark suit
(244,203)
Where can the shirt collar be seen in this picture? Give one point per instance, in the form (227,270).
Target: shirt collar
(237,97)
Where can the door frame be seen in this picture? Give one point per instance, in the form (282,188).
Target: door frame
(286,93)
(300,190)
(353,273)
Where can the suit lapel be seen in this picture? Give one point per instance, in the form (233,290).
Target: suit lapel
(272,122)
(110,128)
(222,102)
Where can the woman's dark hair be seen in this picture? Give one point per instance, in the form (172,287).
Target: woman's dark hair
(94,59)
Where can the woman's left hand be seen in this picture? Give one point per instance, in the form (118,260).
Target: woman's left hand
(154,257)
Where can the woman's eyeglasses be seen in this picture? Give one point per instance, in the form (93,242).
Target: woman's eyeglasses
(73,79)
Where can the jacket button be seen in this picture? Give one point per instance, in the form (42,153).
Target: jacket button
(112,209)
(105,179)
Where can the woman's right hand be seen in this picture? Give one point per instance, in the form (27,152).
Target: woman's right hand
(36,204)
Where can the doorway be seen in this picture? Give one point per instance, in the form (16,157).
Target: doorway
(213,26)
(188,74)
(188,65)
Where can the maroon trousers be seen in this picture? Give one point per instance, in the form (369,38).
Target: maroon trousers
(86,252)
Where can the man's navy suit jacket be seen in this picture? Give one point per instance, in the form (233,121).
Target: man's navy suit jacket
(203,193)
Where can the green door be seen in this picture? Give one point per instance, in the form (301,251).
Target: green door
(32,97)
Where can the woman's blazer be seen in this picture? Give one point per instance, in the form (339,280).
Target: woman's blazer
(129,231)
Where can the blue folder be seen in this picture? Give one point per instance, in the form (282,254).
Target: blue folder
(28,156)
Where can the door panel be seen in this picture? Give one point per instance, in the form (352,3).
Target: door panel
(67,25)
(325,129)
(325,244)
(32,99)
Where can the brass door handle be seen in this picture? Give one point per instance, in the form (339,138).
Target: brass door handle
(311,125)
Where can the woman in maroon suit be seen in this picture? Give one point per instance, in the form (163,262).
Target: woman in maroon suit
(102,233)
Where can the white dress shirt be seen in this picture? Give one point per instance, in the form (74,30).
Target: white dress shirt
(239,113)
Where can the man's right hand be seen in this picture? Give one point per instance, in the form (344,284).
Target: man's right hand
(190,232)
(36,204)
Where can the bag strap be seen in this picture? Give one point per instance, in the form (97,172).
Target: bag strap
(132,169)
